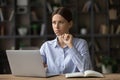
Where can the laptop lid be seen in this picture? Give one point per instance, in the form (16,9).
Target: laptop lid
(26,63)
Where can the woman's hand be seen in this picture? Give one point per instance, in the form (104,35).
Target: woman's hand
(67,39)
(45,65)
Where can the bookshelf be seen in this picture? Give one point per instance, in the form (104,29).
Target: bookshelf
(97,21)
(22,24)
(114,22)
(6,23)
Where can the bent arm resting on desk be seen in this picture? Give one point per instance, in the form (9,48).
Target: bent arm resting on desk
(80,56)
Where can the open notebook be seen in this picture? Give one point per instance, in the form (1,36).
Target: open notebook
(87,73)
(27,63)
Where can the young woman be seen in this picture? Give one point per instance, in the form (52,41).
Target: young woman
(65,54)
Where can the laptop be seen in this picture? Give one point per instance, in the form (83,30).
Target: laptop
(27,63)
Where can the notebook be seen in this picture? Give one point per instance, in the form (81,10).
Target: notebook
(27,63)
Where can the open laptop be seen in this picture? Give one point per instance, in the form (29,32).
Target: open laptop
(26,63)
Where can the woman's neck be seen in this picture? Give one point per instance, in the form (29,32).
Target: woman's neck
(61,43)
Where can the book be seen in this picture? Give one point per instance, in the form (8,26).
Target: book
(11,15)
(118,29)
(42,32)
(96,46)
(112,14)
(1,30)
(49,7)
(112,29)
(87,73)
(111,2)
(103,29)
(34,16)
(1,15)
(96,7)
(87,6)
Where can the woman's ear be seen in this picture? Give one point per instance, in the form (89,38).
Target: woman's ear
(71,24)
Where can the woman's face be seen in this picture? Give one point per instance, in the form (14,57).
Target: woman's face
(60,25)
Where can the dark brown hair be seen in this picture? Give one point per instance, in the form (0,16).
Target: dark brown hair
(64,12)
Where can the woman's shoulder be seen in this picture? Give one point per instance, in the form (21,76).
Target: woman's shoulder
(79,40)
(49,42)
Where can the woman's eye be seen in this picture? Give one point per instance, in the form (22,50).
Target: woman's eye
(61,22)
(53,22)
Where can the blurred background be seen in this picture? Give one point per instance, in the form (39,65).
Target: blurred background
(26,24)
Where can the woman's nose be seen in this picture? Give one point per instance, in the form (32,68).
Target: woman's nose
(57,26)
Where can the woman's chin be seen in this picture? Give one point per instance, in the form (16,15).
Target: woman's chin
(58,34)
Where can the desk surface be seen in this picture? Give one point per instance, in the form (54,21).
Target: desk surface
(62,77)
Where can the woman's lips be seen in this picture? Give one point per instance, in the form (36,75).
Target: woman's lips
(57,31)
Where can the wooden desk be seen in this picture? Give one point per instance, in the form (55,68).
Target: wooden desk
(62,77)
